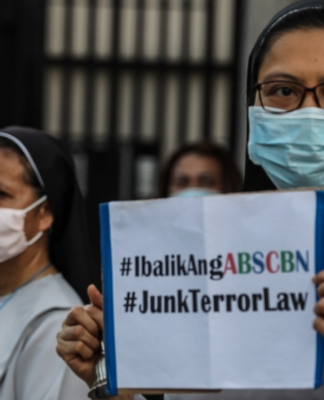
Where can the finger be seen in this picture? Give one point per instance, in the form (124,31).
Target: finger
(79,316)
(95,296)
(320,290)
(96,314)
(70,350)
(78,333)
(319,325)
(319,307)
(319,278)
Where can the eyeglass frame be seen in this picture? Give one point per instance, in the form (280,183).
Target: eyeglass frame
(258,87)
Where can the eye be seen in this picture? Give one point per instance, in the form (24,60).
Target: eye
(181,181)
(284,91)
(4,194)
(281,89)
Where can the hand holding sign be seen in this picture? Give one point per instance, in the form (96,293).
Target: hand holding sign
(78,342)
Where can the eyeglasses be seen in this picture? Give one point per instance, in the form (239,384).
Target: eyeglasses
(279,97)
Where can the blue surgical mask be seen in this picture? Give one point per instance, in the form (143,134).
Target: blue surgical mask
(194,192)
(289,147)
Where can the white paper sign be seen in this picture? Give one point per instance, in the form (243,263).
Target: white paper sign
(213,292)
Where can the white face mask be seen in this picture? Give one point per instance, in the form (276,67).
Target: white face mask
(13,239)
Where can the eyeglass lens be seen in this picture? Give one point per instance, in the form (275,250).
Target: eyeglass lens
(286,95)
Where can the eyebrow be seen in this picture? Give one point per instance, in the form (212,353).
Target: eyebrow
(276,75)
(283,75)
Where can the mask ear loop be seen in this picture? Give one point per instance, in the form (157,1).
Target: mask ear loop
(29,208)
(35,238)
(37,203)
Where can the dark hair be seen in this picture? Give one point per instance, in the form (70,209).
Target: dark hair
(29,176)
(232,179)
(310,18)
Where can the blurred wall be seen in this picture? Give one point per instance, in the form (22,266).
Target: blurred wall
(140,76)
(179,114)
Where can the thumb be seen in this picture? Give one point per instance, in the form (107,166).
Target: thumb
(95,296)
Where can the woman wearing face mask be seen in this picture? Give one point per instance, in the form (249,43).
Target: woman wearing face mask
(285,150)
(199,169)
(42,232)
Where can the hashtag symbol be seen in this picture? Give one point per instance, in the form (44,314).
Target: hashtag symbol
(130,302)
(126,269)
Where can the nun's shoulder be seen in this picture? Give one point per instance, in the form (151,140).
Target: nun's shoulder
(65,290)
(48,293)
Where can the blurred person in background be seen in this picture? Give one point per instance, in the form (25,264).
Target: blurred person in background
(42,234)
(199,169)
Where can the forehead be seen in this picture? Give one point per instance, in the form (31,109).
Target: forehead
(298,53)
(195,162)
(15,192)
(11,169)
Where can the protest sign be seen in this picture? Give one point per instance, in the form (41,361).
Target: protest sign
(213,292)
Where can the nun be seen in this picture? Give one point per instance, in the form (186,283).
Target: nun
(44,262)
(285,84)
